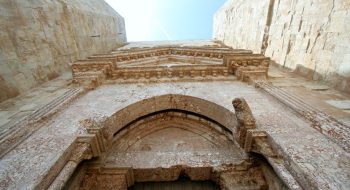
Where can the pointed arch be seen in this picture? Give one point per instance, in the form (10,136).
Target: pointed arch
(185,103)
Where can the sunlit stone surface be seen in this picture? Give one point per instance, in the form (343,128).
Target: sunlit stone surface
(186,112)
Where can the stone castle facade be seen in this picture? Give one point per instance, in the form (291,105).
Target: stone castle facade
(145,115)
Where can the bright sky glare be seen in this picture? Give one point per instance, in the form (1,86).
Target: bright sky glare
(154,20)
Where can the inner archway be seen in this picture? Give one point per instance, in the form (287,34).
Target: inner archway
(173,138)
(176,139)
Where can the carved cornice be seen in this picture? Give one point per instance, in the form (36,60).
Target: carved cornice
(199,63)
(136,73)
(322,122)
(249,67)
(158,51)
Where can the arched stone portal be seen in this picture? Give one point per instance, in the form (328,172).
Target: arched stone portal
(168,137)
(132,112)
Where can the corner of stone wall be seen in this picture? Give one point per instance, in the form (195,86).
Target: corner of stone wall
(39,39)
(310,38)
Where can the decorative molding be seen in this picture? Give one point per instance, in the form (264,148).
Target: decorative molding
(150,64)
(85,147)
(180,72)
(80,152)
(218,52)
(322,122)
(94,137)
(249,67)
(16,132)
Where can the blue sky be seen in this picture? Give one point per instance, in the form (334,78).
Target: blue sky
(153,20)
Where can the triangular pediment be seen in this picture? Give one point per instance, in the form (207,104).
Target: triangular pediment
(169,61)
(151,64)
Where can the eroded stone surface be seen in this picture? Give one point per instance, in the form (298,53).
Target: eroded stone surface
(157,111)
(51,141)
(173,63)
(173,138)
(234,17)
(40,38)
(310,38)
(292,147)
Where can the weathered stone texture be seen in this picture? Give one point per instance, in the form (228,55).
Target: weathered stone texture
(38,39)
(128,131)
(309,155)
(310,37)
(240,23)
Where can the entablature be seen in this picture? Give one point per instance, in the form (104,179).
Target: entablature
(171,63)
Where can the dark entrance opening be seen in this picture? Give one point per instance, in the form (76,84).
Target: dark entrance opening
(182,183)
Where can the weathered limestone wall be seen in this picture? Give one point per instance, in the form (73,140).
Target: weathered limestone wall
(310,37)
(239,24)
(38,39)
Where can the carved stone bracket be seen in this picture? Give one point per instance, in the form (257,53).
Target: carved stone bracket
(257,141)
(249,138)
(253,140)
(82,151)
(245,119)
(94,137)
